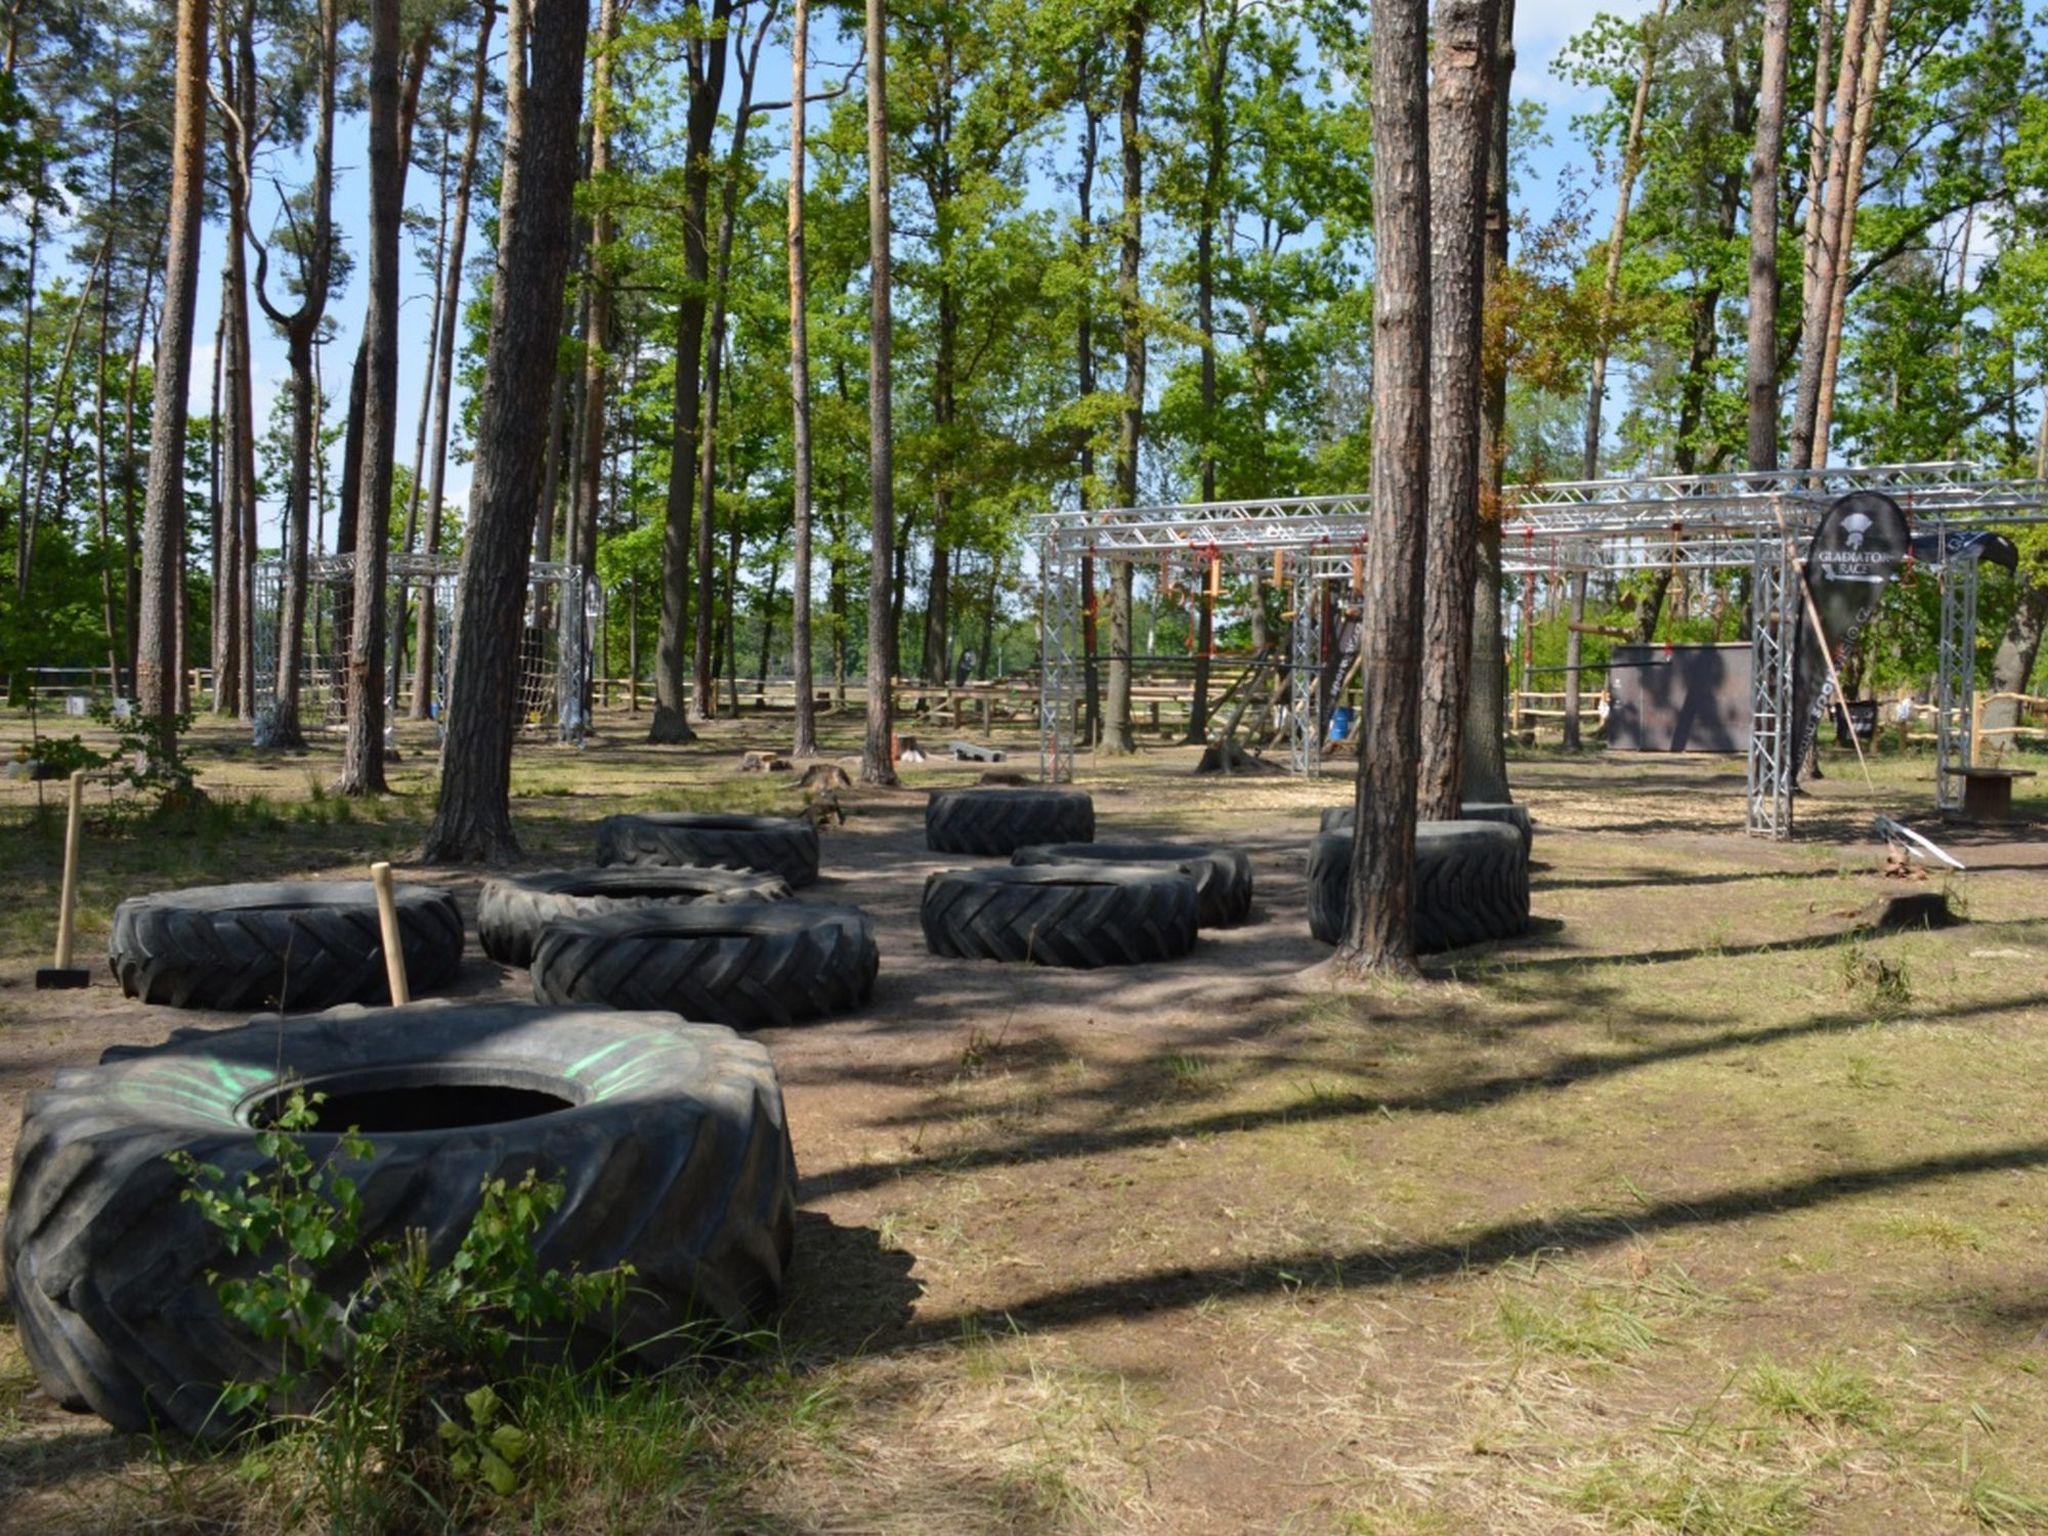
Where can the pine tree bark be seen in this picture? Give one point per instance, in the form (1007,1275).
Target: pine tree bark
(163,517)
(1460,134)
(1761,369)
(1118,735)
(426,636)
(672,710)
(1084,347)
(1379,930)
(804,739)
(597,330)
(1871,67)
(362,767)
(1486,765)
(1824,250)
(1610,293)
(877,764)
(302,328)
(1217,41)
(543,132)
(705,652)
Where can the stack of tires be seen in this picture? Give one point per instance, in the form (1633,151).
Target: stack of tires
(687,913)
(1471,881)
(1066,900)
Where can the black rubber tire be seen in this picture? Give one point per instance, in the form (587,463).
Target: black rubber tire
(1076,915)
(1340,818)
(511,911)
(998,822)
(1471,884)
(775,845)
(750,965)
(299,945)
(1222,876)
(674,1158)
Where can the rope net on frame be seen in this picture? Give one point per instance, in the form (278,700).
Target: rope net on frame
(554,642)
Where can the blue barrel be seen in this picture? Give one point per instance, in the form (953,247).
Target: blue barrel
(1341,719)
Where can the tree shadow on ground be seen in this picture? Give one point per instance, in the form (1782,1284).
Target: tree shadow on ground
(1139,1084)
(1185,1286)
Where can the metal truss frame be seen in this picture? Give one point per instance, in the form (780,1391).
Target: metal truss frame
(1777,601)
(1304,679)
(1685,522)
(1955,680)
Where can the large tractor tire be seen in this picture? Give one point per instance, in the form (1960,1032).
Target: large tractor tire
(292,946)
(512,910)
(749,965)
(997,822)
(1075,915)
(1222,876)
(774,845)
(1471,884)
(1341,818)
(668,1139)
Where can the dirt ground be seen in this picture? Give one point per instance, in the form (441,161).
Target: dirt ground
(1701,1209)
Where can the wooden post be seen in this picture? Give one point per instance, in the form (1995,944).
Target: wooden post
(387,926)
(69,896)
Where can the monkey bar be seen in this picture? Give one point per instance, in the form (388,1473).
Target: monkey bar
(1752,520)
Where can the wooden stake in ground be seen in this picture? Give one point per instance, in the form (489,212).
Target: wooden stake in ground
(387,927)
(62,975)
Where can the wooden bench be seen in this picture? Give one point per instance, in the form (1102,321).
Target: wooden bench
(1987,792)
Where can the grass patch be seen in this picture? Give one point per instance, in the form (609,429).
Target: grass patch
(1827,1394)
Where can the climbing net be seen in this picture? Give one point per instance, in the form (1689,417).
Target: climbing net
(554,645)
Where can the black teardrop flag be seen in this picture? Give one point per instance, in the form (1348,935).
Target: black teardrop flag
(1856,549)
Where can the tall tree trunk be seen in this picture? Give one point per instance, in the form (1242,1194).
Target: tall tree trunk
(1871,68)
(1610,292)
(401,610)
(425,639)
(1617,235)
(804,740)
(1118,736)
(2012,667)
(1460,130)
(876,756)
(222,653)
(1486,767)
(1824,251)
(1215,153)
(133,516)
(543,127)
(102,494)
(1761,370)
(164,502)
(345,513)
(362,769)
(302,329)
(1379,929)
(597,330)
(672,713)
(714,366)
(1084,346)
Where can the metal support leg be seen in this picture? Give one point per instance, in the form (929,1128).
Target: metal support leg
(1955,679)
(1059,632)
(1305,723)
(1773,646)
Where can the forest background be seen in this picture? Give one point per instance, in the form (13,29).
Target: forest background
(1116,228)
